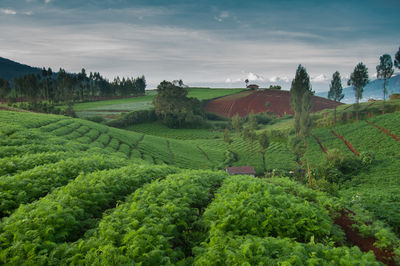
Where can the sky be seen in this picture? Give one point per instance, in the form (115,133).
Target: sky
(204,43)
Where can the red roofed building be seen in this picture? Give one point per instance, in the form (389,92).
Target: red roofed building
(241,170)
(253,86)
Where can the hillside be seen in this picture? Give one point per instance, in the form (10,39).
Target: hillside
(74,191)
(275,101)
(372,91)
(10,69)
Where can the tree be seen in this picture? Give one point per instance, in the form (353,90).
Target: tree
(252,121)
(227,136)
(305,118)
(358,79)
(172,104)
(236,122)
(5,89)
(384,71)
(397,59)
(300,85)
(264,143)
(335,91)
(275,87)
(247,82)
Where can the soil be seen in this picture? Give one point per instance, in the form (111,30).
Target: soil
(348,144)
(258,101)
(320,144)
(384,130)
(365,244)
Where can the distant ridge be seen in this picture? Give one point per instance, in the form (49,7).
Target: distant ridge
(374,90)
(10,69)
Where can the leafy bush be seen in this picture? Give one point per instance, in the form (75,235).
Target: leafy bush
(97,119)
(132,118)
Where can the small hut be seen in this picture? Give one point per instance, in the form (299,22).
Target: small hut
(241,170)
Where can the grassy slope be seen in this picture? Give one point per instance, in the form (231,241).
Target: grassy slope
(42,133)
(376,188)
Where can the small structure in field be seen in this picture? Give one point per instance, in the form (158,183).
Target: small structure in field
(253,86)
(241,170)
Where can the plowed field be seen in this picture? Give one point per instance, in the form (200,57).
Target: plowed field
(275,101)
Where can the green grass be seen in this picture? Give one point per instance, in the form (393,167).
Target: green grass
(376,187)
(91,214)
(158,129)
(210,93)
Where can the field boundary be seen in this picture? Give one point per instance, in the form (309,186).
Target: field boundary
(348,144)
(383,130)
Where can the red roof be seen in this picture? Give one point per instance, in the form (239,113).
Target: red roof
(241,170)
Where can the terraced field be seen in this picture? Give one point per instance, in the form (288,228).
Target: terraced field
(77,192)
(377,187)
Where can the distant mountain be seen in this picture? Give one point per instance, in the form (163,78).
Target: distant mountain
(372,91)
(10,69)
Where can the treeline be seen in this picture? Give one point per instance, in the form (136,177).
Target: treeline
(63,87)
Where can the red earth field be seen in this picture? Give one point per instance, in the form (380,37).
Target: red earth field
(275,101)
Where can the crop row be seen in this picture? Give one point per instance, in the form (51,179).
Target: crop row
(34,230)
(158,224)
(255,222)
(30,185)
(10,165)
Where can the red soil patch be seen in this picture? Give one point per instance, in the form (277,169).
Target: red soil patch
(320,144)
(365,244)
(275,101)
(348,144)
(384,130)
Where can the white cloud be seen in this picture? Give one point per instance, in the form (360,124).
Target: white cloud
(254,77)
(276,79)
(28,13)
(319,78)
(222,15)
(7,11)
(47,1)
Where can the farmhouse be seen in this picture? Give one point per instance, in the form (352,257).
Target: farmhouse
(253,86)
(241,170)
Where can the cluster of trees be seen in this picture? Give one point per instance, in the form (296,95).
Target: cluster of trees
(174,109)
(359,79)
(66,87)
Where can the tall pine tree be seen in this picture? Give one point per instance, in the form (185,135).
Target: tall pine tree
(300,85)
(359,79)
(336,91)
(384,71)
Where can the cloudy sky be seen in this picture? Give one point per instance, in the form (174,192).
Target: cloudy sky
(206,43)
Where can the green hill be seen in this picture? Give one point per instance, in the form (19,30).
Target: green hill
(10,69)
(77,192)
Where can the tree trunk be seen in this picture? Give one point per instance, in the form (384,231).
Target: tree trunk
(384,96)
(334,117)
(263,158)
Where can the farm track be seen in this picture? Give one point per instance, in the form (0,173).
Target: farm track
(137,145)
(320,144)
(204,153)
(348,144)
(95,138)
(119,145)
(170,152)
(84,133)
(48,123)
(365,244)
(69,123)
(383,130)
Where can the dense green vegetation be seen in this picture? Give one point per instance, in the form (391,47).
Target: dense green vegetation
(77,192)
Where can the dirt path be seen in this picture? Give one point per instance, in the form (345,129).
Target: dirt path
(384,130)
(320,144)
(348,144)
(365,244)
